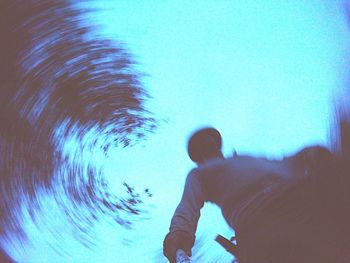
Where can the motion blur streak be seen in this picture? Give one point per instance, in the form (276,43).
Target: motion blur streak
(63,86)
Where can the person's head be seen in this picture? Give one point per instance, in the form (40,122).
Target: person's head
(204,144)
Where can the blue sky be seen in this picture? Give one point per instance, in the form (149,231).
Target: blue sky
(263,74)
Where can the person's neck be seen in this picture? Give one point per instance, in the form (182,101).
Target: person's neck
(205,160)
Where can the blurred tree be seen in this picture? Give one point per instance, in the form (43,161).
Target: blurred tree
(57,73)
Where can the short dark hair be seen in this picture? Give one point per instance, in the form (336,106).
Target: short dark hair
(204,142)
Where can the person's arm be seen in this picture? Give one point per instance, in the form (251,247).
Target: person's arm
(184,222)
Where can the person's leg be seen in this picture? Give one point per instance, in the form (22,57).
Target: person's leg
(289,230)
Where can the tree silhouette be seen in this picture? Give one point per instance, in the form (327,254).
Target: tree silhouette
(59,80)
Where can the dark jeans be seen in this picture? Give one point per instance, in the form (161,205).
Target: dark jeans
(294,228)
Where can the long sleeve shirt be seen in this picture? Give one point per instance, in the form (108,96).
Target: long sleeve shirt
(237,185)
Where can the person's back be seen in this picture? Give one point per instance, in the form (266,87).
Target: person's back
(269,204)
(238,184)
(229,178)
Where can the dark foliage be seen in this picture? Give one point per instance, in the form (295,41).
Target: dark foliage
(59,79)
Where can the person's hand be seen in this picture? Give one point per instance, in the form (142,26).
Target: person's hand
(177,240)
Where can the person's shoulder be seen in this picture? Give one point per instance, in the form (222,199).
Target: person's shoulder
(216,166)
(211,164)
(194,176)
(245,158)
(310,155)
(313,152)
(193,171)
(222,163)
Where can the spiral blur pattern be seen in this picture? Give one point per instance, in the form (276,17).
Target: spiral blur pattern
(60,83)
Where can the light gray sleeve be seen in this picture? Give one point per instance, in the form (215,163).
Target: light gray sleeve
(187,213)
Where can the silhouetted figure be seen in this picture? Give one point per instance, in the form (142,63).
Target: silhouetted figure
(275,206)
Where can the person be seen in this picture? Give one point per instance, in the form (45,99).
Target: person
(270,204)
